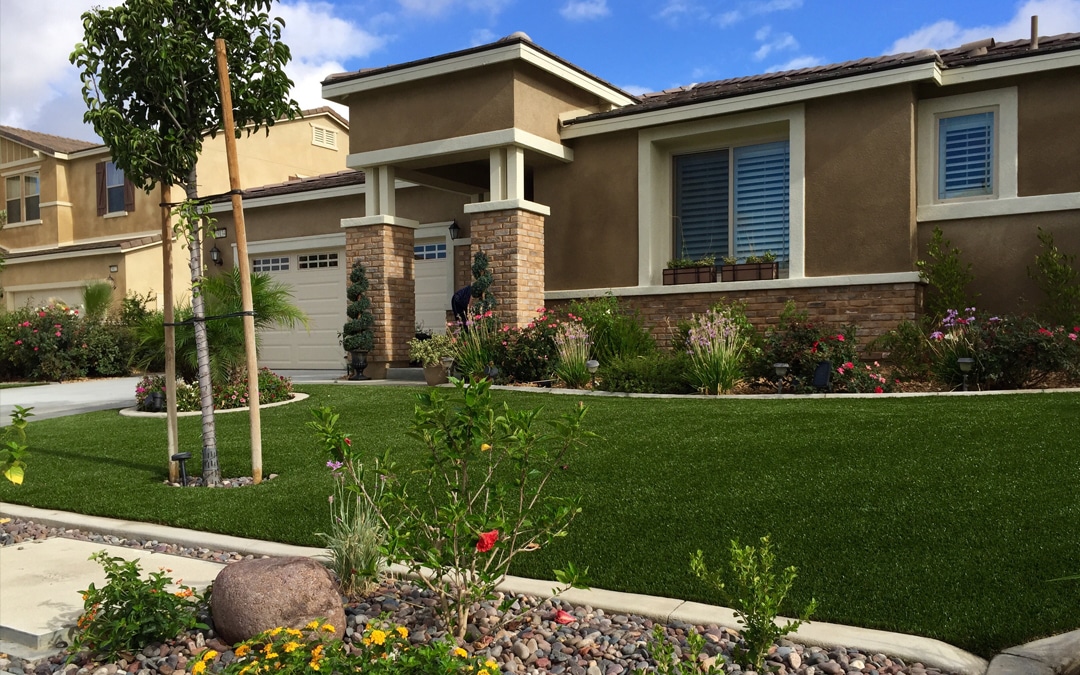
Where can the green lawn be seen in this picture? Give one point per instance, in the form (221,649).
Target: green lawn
(940,516)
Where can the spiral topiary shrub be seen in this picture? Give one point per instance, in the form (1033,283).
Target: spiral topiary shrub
(357,334)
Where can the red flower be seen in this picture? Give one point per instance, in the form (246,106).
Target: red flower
(487,541)
(849,365)
(348,441)
(879,390)
(840,338)
(564,617)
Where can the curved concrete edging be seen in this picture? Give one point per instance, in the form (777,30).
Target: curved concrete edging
(773,397)
(1057,655)
(135,412)
(912,648)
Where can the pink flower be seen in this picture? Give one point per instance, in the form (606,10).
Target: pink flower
(840,370)
(41,314)
(35,349)
(879,390)
(18,342)
(1072,336)
(348,441)
(849,365)
(564,617)
(57,333)
(840,338)
(487,541)
(25,324)
(541,310)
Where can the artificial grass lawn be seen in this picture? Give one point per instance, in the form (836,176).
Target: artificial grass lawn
(942,516)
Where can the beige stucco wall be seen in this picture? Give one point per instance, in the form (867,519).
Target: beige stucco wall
(17,235)
(1001,249)
(457,104)
(591,235)
(539,99)
(860,182)
(1049,133)
(264,160)
(87,224)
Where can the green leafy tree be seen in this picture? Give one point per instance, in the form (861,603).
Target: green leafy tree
(1058,279)
(357,334)
(152,94)
(946,276)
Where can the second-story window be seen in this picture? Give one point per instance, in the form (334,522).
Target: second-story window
(22,197)
(115,194)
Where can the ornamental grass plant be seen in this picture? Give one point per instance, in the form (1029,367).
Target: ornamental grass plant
(716,346)
(573,344)
(474,343)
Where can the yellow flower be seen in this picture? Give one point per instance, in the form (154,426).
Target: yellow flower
(458,651)
(276,631)
(209,654)
(317,652)
(291,646)
(242,651)
(327,628)
(483,672)
(378,636)
(199,668)
(366,641)
(312,626)
(491,664)
(293,632)
(268,648)
(313,664)
(402,631)
(485,447)
(272,655)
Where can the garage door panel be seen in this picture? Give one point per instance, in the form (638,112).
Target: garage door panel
(320,293)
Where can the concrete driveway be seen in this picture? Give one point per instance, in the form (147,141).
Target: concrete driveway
(58,399)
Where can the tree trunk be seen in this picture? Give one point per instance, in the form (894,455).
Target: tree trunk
(211,473)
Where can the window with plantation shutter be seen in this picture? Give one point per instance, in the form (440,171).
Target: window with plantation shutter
(966,156)
(323,137)
(733,201)
(701,204)
(761,200)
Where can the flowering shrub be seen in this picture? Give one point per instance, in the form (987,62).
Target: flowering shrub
(716,347)
(615,332)
(128,612)
(479,503)
(1009,352)
(44,343)
(383,650)
(273,388)
(474,344)
(572,342)
(528,354)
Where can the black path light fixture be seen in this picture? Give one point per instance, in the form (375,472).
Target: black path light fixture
(781,372)
(966,363)
(182,457)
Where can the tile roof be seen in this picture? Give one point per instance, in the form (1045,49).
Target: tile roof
(515,38)
(123,245)
(46,142)
(307,184)
(984,51)
(313,112)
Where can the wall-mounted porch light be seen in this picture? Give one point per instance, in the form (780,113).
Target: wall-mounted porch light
(455,230)
(215,255)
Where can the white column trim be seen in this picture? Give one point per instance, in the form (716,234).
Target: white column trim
(515,173)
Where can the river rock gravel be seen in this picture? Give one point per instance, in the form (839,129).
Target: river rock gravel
(596,643)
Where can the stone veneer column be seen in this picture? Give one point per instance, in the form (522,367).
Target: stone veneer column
(387,253)
(513,240)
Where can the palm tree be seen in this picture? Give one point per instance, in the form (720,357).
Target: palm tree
(273,304)
(97,299)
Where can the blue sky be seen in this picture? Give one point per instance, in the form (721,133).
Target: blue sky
(640,45)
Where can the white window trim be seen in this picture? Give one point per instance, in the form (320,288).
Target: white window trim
(115,214)
(1004,103)
(22,197)
(326,130)
(121,212)
(656,147)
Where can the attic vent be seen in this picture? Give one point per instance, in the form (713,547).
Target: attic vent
(323,137)
(977,48)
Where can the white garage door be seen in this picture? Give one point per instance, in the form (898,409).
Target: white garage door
(432,293)
(72,297)
(317,280)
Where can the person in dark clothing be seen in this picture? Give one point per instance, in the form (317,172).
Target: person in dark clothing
(459,303)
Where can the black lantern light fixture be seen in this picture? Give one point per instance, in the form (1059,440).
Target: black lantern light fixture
(781,371)
(215,255)
(966,364)
(455,230)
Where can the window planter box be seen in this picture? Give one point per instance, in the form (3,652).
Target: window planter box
(690,275)
(750,271)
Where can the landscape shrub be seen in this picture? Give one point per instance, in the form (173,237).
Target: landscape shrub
(905,349)
(1059,281)
(1009,352)
(717,349)
(13,445)
(528,354)
(947,278)
(573,344)
(44,343)
(480,500)
(108,349)
(273,388)
(663,372)
(129,612)
(615,333)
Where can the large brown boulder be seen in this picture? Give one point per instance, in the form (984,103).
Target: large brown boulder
(251,596)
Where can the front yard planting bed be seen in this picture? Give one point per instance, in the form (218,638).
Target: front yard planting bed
(946,517)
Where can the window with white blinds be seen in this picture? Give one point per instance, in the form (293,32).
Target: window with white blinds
(966,156)
(733,201)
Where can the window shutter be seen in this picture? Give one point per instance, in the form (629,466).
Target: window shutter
(701,204)
(966,156)
(102,190)
(762,206)
(129,196)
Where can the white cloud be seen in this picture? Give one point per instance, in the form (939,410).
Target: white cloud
(584,10)
(635,89)
(1055,17)
(773,43)
(796,63)
(676,10)
(41,89)
(725,19)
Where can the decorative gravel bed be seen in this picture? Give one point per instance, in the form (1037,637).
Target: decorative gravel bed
(597,643)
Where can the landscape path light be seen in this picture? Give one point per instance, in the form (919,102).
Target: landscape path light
(781,371)
(965,364)
(592,365)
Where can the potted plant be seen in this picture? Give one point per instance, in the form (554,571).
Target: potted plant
(357,336)
(430,353)
(755,268)
(689,271)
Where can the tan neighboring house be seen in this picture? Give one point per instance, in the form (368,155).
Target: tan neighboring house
(575,188)
(74,219)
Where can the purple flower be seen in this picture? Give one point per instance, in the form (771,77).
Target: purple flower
(937,335)
(334,466)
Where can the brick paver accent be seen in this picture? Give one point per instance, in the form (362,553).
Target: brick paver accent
(514,243)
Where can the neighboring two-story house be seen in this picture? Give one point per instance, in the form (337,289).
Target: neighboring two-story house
(575,188)
(74,219)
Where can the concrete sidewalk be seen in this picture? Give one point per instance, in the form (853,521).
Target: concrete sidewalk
(57,399)
(36,590)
